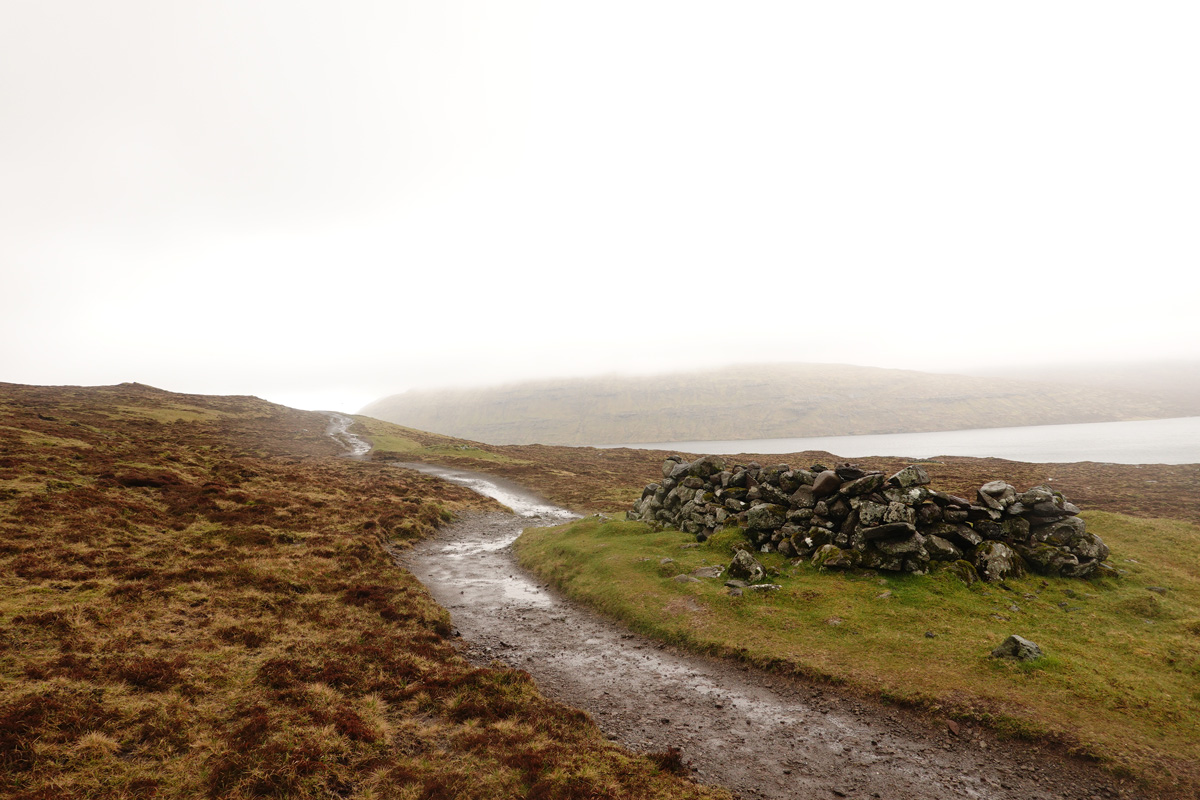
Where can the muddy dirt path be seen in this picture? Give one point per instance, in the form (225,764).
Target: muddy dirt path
(757,735)
(339,431)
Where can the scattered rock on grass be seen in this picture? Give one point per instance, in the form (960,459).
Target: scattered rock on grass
(1019,648)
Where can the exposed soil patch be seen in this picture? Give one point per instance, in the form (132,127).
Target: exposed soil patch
(759,735)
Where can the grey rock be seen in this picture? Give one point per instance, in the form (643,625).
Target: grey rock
(898,512)
(871,513)
(826,483)
(1019,648)
(669,465)
(767,516)
(706,466)
(803,497)
(1058,532)
(912,496)
(1087,546)
(911,475)
(746,567)
(1047,559)
(912,546)
(1038,494)
(1084,569)
(996,561)
(864,485)
(949,500)
(893,530)
(940,549)
(830,556)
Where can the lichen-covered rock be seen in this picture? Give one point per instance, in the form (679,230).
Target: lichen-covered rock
(898,512)
(1047,559)
(1019,648)
(1058,532)
(1087,545)
(830,556)
(911,475)
(1084,569)
(997,495)
(870,513)
(872,482)
(940,549)
(767,516)
(746,567)
(996,561)
(964,570)
(913,546)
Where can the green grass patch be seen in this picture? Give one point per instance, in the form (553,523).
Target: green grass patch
(387,438)
(1120,679)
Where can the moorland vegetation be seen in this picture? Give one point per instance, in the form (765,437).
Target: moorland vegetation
(198,599)
(1120,681)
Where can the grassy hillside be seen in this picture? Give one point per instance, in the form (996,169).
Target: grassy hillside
(757,402)
(1120,680)
(197,599)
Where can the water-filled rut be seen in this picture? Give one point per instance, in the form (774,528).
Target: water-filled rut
(758,735)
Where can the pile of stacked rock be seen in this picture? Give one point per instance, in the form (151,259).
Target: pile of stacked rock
(850,517)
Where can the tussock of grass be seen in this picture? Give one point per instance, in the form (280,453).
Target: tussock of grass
(203,606)
(1120,680)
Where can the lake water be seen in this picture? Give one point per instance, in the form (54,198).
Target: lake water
(1158,441)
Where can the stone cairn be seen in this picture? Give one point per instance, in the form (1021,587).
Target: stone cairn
(848,517)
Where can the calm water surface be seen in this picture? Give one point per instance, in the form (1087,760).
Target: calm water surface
(1159,441)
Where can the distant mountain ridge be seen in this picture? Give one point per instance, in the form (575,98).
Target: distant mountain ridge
(759,402)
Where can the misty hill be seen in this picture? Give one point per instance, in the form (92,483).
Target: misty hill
(758,402)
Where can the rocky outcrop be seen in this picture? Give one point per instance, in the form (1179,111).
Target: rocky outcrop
(849,517)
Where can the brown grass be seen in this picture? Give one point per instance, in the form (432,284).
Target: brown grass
(198,599)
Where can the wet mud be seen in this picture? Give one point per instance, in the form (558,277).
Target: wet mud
(761,736)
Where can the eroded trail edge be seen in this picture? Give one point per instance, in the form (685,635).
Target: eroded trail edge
(758,735)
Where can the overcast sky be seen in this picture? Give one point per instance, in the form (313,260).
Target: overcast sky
(324,203)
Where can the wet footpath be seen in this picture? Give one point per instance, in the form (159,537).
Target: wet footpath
(758,735)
